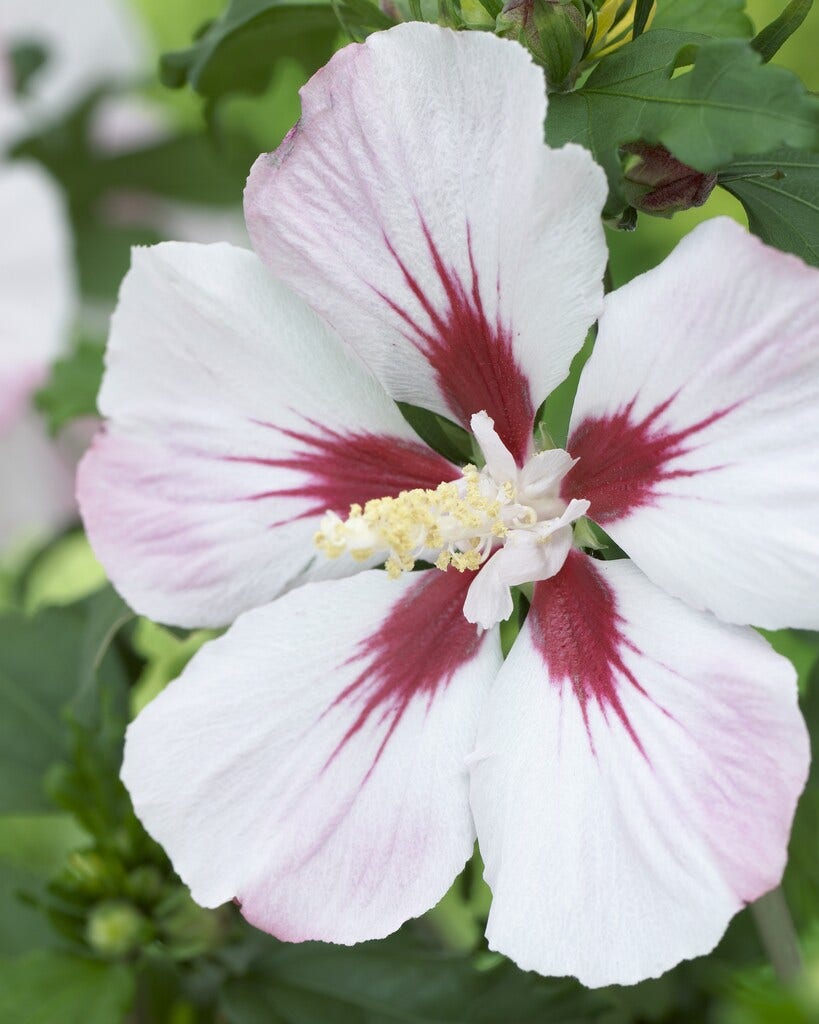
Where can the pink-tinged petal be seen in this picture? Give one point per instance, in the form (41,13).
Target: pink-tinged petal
(695,427)
(416,207)
(636,773)
(236,419)
(311,763)
(36,283)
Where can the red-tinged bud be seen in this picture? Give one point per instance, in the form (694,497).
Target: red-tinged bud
(657,182)
(553,30)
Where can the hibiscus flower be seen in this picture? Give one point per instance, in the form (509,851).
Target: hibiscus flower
(631,768)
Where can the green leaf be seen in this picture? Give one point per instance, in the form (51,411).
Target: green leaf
(800,647)
(780,192)
(719,18)
(801,882)
(774,36)
(440,433)
(32,847)
(192,168)
(394,982)
(48,663)
(38,842)
(642,11)
(71,390)
(359,18)
(53,988)
(239,50)
(729,104)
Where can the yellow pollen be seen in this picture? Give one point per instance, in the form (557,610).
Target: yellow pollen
(455,519)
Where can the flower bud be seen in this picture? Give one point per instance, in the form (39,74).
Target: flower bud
(186,929)
(116,928)
(656,182)
(89,875)
(553,30)
(145,884)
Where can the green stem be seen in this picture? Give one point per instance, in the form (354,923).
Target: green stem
(778,935)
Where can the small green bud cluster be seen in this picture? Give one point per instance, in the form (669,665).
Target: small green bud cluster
(124,900)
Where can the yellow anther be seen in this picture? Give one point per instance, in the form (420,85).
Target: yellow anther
(463,560)
(453,524)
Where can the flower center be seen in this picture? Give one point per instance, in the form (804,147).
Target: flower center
(460,523)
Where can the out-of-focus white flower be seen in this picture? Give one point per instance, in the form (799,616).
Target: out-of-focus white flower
(36,308)
(87,44)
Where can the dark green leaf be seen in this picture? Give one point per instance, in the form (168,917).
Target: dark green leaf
(239,50)
(774,36)
(800,647)
(104,254)
(192,168)
(393,982)
(440,433)
(801,883)
(724,19)
(780,192)
(26,58)
(641,12)
(71,390)
(727,105)
(359,18)
(49,663)
(52,988)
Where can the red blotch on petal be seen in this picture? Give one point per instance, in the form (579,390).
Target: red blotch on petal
(624,461)
(415,653)
(342,469)
(473,357)
(578,632)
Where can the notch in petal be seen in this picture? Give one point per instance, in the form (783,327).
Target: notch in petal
(417,208)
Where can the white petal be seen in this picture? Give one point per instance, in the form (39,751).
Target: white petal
(236,419)
(36,483)
(636,772)
(544,471)
(36,284)
(696,423)
(499,460)
(526,556)
(416,207)
(311,762)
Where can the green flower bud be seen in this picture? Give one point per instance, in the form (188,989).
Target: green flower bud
(89,875)
(657,182)
(553,30)
(186,929)
(145,884)
(116,928)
